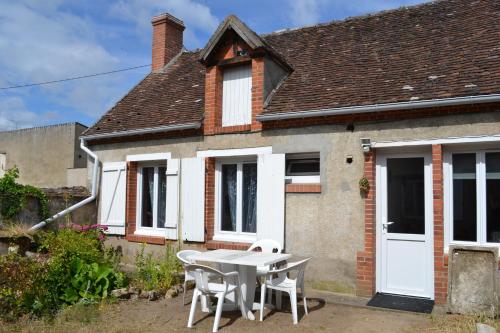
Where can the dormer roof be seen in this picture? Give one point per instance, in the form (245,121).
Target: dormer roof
(250,37)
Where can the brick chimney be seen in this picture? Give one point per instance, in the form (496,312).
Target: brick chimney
(167,39)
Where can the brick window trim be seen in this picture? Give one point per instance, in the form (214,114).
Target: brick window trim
(213,100)
(303,188)
(146,239)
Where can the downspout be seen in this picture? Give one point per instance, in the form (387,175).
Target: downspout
(93,195)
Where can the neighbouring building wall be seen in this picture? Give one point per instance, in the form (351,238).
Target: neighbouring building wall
(44,154)
(328,226)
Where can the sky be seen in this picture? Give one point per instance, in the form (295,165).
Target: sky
(45,40)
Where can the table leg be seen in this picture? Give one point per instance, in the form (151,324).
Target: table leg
(247,280)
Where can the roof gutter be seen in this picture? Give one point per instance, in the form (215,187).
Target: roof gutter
(142,131)
(93,194)
(381,107)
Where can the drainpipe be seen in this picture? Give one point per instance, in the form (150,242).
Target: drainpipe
(81,203)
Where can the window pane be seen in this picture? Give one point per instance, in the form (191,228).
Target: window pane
(302,167)
(493,197)
(147,196)
(464,197)
(249,215)
(405,195)
(162,196)
(228,197)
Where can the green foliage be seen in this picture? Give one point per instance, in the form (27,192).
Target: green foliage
(72,267)
(91,282)
(20,288)
(13,196)
(157,273)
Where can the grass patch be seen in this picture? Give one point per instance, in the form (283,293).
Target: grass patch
(460,323)
(332,286)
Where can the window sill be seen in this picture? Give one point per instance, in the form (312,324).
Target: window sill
(232,129)
(150,232)
(303,188)
(234,238)
(215,245)
(146,239)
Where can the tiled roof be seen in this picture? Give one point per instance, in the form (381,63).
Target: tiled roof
(442,49)
(174,96)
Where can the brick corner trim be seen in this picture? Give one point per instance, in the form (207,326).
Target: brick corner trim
(365,260)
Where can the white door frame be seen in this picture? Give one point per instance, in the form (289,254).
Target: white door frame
(381,196)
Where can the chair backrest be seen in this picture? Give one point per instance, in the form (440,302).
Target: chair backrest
(201,272)
(282,273)
(266,246)
(184,254)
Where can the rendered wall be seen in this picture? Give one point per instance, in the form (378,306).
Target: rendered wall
(328,226)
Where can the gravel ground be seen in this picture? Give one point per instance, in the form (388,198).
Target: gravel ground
(169,315)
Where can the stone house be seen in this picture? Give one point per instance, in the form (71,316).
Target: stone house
(268,136)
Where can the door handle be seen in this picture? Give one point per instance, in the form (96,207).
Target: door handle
(386,224)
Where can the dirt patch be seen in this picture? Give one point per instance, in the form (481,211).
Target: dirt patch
(170,316)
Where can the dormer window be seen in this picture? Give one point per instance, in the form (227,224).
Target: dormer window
(237,96)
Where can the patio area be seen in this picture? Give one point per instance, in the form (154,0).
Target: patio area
(169,315)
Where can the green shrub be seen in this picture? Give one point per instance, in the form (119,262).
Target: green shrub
(157,273)
(13,196)
(21,287)
(72,267)
(91,282)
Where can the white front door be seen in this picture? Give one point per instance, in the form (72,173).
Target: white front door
(404,225)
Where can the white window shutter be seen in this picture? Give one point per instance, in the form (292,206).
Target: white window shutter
(172,215)
(237,96)
(113,188)
(193,199)
(271,197)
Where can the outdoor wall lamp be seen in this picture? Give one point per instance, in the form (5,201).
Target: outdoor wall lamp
(366,144)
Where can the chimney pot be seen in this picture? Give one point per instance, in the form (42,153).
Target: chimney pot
(167,39)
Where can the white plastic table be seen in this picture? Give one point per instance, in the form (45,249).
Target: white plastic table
(246,264)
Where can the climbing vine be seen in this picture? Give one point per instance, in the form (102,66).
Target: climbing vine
(13,196)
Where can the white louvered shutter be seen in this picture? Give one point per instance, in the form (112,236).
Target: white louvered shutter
(271,197)
(237,96)
(113,188)
(193,199)
(172,215)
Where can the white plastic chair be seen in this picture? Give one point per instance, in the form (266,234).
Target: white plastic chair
(266,246)
(230,284)
(183,257)
(279,280)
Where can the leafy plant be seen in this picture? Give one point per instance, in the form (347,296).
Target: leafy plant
(91,282)
(157,273)
(13,196)
(72,267)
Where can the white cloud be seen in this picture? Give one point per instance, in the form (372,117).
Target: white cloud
(14,114)
(304,12)
(41,42)
(197,17)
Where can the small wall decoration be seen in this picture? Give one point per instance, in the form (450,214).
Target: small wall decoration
(364,185)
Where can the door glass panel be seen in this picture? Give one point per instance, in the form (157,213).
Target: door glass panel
(148,179)
(228,196)
(493,197)
(406,195)
(162,196)
(249,214)
(464,197)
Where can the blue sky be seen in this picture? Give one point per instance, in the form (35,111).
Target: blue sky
(55,39)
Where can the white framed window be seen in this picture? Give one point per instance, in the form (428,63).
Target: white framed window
(236,200)
(237,95)
(472,197)
(302,168)
(151,199)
